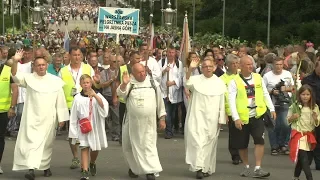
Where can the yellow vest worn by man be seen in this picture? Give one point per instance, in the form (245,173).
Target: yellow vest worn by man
(5,89)
(242,98)
(66,76)
(122,70)
(227,79)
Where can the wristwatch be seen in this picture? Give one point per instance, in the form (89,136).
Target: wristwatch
(12,107)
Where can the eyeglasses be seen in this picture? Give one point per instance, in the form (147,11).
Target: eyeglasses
(220,59)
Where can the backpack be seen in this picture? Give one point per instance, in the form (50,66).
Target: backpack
(152,84)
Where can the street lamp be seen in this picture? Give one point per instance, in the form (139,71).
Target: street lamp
(36,18)
(169,14)
(223,17)
(36,15)
(269,20)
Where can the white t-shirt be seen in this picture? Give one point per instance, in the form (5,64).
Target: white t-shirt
(271,80)
(232,89)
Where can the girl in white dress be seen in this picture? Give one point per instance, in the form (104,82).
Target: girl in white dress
(87,124)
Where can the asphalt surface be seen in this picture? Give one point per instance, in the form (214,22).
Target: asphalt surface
(112,166)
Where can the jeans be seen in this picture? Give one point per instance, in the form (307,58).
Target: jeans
(170,118)
(112,121)
(3,126)
(304,161)
(278,136)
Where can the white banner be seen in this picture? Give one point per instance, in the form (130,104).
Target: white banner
(118,20)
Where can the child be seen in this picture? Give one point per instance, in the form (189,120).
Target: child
(302,140)
(90,107)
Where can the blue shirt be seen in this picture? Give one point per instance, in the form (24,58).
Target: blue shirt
(53,71)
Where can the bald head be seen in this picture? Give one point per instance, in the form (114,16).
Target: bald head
(246,65)
(139,72)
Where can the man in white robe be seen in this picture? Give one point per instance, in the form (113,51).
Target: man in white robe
(206,112)
(45,106)
(139,139)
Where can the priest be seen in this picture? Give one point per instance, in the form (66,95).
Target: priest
(206,112)
(45,106)
(144,105)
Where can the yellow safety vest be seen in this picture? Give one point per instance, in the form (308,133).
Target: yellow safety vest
(122,70)
(227,79)
(5,89)
(66,76)
(242,98)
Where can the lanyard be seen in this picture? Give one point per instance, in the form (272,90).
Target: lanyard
(75,79)
(90,109)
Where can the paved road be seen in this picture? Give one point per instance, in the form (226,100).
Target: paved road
(111,165)
(84,25)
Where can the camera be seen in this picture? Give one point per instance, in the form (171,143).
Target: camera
(283,97)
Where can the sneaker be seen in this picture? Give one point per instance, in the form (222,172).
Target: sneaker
(84,175)
(1,171)
(93,169)
(259,173)
(274,152)
(284,151)
(295,178)
(75,163)
(245,172)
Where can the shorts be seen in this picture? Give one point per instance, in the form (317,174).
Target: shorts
(83,147)
(255,128)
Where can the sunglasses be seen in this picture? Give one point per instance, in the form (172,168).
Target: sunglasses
(220,59)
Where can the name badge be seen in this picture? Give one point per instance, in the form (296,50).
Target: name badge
(73,91)
(140,103)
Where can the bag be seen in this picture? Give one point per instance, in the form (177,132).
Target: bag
(85,123)
(269,122)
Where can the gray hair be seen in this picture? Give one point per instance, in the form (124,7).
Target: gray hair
(290,48)
(230,58)
(270,57)
(56,56)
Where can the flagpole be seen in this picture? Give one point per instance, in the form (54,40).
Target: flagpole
(193,21)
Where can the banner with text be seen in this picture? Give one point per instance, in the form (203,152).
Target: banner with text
(118,20)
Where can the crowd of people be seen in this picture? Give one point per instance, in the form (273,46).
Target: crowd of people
(98,90)
(128,94)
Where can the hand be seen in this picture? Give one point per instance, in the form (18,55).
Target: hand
(148,70)
(275,92)
(194,63)
(227,119)
(162,124)
(18,56)
(125,78)
(97,78)
(61,124)
(167,69)
(169,83)
(238,123)
(91,93)
(315,116)
(273,115)
(187,93)
(11,113)
(295,116)
(115,101)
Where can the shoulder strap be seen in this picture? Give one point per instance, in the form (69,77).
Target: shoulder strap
(177,63)
(163,61)
(247,82)
(199,70)
(130,89)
